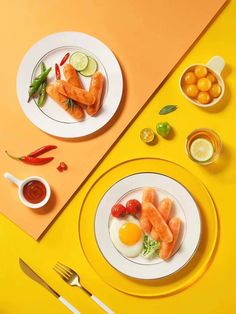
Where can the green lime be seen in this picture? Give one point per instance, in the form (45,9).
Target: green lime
(147,135)
(163,128)
(79,60)
(91,67)
(201,150)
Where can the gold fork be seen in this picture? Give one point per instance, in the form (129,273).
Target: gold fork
(73,279)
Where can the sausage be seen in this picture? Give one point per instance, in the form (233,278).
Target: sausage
(75,93)
(154,234)
(165,208)
(167,249)
(158,222)
(62,100)
(96,88)
(71,76)
(150,196)
(145,224)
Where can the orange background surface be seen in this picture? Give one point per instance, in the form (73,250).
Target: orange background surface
(148,38)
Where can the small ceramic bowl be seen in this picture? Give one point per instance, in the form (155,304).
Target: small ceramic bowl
(22,183)
(215,66)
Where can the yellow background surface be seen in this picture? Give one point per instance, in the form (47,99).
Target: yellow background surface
(214,292)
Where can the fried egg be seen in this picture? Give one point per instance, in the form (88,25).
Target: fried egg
(126,235)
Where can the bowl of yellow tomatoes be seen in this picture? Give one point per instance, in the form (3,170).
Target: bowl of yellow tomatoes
(202,84)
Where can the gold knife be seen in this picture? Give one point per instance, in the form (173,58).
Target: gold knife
(29,272)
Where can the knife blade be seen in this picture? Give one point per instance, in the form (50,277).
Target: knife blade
(33,275)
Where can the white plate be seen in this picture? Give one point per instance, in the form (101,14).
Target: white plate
(184,207)
(51,118)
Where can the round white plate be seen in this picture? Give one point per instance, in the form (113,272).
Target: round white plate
(184,207)
(51,118)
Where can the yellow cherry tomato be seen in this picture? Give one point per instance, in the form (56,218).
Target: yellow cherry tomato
(200,71)
(204,97)
(192,90)
(204,84)
(215,90)
(211,77)
(189,78)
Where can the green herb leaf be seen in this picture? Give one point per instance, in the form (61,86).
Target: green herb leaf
(167,109)
(71,105)
(150,247)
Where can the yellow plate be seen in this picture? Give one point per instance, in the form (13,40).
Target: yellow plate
(159,287)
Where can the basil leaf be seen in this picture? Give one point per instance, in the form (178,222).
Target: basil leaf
(167,109)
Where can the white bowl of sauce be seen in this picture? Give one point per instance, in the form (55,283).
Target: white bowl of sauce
(34,192)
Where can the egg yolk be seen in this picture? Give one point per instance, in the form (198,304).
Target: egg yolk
(130,233)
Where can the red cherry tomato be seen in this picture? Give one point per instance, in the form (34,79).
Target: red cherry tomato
(133,207)
(118,210)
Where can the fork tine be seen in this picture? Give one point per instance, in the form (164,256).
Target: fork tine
(62,276)
(65,267)
(61,272)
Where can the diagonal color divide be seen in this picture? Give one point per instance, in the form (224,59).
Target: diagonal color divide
(148,38)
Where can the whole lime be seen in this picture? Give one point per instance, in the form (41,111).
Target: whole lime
(163,128)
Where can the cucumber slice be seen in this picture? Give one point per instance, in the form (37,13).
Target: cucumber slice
(79,60)
(91,67)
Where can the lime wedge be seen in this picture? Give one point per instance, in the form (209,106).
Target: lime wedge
(91,68)
(79,60)
(201,150)
(147,135)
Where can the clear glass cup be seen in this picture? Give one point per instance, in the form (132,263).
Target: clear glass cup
(208,135)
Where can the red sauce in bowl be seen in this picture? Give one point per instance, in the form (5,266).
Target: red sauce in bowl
(34,191)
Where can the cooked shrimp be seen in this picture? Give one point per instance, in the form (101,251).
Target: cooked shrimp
(167,249)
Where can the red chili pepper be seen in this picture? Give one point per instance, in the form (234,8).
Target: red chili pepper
(57,72)
(62,167)
(42,150)
(32,160)
(59,168)
(63,60)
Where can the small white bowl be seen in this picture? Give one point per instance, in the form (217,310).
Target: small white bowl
(215,66)
(22,183)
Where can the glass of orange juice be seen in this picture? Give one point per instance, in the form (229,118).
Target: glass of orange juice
(203,146)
